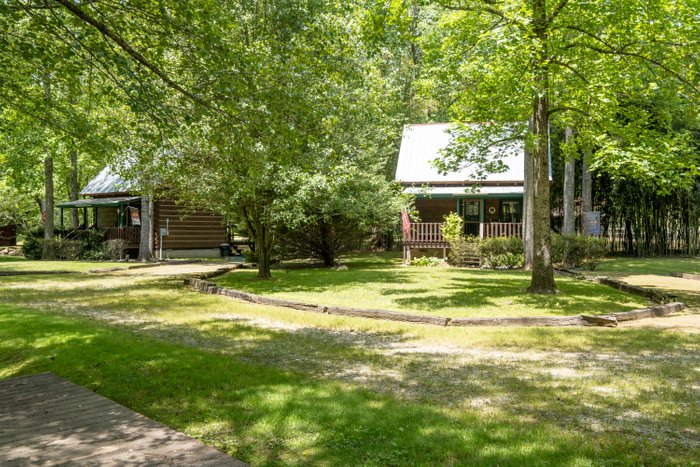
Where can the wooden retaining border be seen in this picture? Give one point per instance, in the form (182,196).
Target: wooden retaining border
(683,275)
(35,273)
(651,294)
(204,286)
(144,266)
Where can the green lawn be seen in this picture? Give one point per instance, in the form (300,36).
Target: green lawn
(661,266)
(382,282)
(18,263)
(276,386)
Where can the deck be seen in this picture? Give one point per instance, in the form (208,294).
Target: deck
(45,419)
(429,234)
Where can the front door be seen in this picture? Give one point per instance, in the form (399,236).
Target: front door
(471,211)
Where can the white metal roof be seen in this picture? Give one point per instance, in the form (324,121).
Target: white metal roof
(421,144)
(106,182)
(464,191)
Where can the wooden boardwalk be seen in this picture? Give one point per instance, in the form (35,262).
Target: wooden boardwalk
(47,420)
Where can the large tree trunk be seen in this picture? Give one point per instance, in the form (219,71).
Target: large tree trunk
(542,272)
(145,248)
(569,226)
(586,183)
(263,247)
(74,217)
(48,251)
(527,206)
(264,240)
(151,225)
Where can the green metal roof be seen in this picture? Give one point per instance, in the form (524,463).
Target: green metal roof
(100,202)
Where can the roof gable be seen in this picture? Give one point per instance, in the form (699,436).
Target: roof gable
(107,182)
(421,144)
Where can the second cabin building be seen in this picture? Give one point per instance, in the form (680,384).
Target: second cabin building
(491,207)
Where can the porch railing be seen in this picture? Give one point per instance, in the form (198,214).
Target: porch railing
(132,234)
(503,229)
(429,233)
(424,233)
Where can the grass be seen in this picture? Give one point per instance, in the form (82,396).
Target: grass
(655,272)
(381,282)
(661,266)
(18,263)
(279,386)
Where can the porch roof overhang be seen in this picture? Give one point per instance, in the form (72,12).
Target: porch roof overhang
(464,191)
(100,202)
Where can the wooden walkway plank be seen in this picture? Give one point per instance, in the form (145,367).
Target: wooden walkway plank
(45,419)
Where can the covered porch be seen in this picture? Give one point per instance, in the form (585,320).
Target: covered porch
(116,217)
(484,216)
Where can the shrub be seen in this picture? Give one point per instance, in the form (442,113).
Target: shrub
(452,228)
(66,248)
(577,251)
(427,261)
(463,250)
(498,252)
(595,252)
(32,247)
(115,249)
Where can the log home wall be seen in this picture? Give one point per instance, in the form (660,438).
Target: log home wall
(107,217)
(435,210)
(188,230)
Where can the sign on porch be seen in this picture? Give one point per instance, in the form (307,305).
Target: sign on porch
(134,215)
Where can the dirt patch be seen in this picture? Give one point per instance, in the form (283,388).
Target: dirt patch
(685,323)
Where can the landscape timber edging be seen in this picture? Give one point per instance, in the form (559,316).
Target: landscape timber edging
(144,266)
(648,293)
(37,273)
(204,286)
(685,275)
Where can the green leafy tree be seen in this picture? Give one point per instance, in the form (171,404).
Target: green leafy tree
(536,60)
(329,212)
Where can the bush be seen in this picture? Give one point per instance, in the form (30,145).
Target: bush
(452,228)
(114,249)
(577,251)
(498,252)
(427,261)
(595,252)
(32,247)
(464,250)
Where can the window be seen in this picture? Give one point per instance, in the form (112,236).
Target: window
(511,211)
(471,210)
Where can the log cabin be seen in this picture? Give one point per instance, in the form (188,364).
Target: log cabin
(489,207)
(111,204)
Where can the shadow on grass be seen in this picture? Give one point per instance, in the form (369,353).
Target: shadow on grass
(267,416)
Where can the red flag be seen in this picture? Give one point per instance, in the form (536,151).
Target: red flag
(405,222)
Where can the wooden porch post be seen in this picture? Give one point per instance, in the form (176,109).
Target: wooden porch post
(482,217)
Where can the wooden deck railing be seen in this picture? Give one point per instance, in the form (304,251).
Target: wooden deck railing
(503,229)
(132,234)
(429,233)
(424,233)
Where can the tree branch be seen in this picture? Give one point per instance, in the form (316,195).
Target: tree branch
(107,32)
